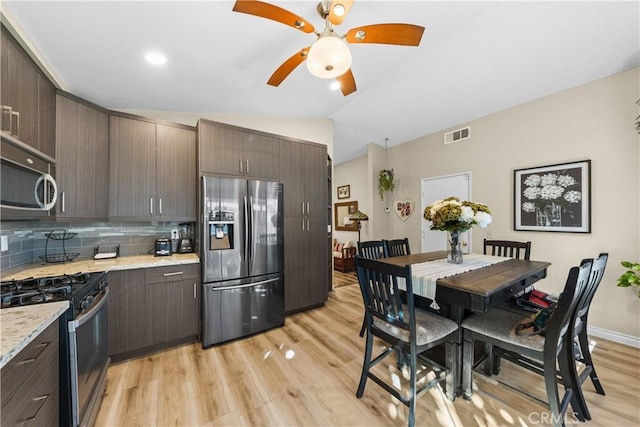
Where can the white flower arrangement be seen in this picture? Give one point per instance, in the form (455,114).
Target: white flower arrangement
(451,214)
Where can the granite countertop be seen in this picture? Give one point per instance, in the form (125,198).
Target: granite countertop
(20,325)
(91,266)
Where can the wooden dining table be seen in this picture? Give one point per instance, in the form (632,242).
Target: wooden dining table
(475,291)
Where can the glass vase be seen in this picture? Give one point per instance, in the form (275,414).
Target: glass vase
(549,216)
(454,247)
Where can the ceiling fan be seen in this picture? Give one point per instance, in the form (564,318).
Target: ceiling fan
(329,56)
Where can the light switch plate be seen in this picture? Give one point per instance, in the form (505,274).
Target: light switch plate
(174,234)
(5,243)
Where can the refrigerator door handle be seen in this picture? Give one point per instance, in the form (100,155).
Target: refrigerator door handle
(205,215)
(251,240)
(247,285)
(246,229)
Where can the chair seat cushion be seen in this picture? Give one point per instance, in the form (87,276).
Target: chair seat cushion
(501,325)
(429,327)
(337,254)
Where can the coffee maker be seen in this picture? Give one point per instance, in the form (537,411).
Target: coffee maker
(185,245)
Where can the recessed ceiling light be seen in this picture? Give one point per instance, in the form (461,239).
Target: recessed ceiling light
(335,85)
(155,58)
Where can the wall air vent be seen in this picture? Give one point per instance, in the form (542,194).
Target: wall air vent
(457,135)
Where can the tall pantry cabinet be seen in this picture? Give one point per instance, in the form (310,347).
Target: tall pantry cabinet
(304,175)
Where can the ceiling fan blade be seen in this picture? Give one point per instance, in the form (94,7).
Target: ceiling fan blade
(287,67)
(347,83)
(338,10)
(275,13)
(398,34)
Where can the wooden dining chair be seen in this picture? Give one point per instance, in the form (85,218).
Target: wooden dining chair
(503,248)
(372,249)
(404,329)
(507,248)
(582,352)
(396,247)
(550,355)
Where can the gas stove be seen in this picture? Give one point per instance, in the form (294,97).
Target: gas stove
(79,289)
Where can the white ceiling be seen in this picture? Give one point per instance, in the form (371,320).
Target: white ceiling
(475,58)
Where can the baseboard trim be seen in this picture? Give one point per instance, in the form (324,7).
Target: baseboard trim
(617,337)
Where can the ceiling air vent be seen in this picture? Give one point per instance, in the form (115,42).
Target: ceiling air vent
(457,135)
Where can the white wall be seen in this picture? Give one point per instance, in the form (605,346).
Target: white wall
(594,121)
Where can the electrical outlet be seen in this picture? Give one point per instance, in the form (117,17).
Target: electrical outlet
(5,243)
(174,234)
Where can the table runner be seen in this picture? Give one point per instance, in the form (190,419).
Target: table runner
(425,274)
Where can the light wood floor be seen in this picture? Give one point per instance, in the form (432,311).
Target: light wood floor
(306,374)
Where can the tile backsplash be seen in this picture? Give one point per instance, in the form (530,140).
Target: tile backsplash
(27,239)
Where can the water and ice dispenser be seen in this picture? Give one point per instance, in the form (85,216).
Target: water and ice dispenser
(220,230)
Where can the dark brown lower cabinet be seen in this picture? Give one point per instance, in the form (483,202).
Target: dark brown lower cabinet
(153,308)
(127,311)
(173,303)
(30,383)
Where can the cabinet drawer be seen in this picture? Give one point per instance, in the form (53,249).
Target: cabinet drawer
(37,401)
(41,352)
(171,273)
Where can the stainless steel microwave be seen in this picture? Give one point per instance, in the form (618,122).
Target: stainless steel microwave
(27,188)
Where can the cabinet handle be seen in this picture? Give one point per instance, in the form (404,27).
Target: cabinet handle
(302,205)
(41,348)
(177,273)
(36,399)
(308,208)
(247,167)
(17,129)
(160,206)
(151,205)
(302,224)
(240,165)
(63,202)
(307,224)
(194,290)
(6,118)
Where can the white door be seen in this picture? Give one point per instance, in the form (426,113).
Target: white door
(439,188)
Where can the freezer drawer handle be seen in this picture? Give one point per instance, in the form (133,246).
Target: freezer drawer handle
(176,273)
(248,285)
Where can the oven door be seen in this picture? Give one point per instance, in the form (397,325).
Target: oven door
(88,336)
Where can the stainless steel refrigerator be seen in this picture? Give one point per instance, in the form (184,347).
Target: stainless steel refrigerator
(242,257)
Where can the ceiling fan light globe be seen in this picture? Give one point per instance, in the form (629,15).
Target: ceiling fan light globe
(329,57)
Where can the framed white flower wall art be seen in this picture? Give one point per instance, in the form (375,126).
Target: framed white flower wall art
(553,198)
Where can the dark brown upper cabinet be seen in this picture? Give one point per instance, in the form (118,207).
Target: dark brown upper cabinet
(82,153)
(152,170)
(230,150)
(27,97)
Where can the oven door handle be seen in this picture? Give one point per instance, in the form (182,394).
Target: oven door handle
(85,317)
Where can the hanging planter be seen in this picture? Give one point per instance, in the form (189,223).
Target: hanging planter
(385,182)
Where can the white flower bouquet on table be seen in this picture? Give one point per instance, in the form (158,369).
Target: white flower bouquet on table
(456,216)
(452,214)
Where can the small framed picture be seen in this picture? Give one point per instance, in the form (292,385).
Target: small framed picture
(344,192)
(553,198)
